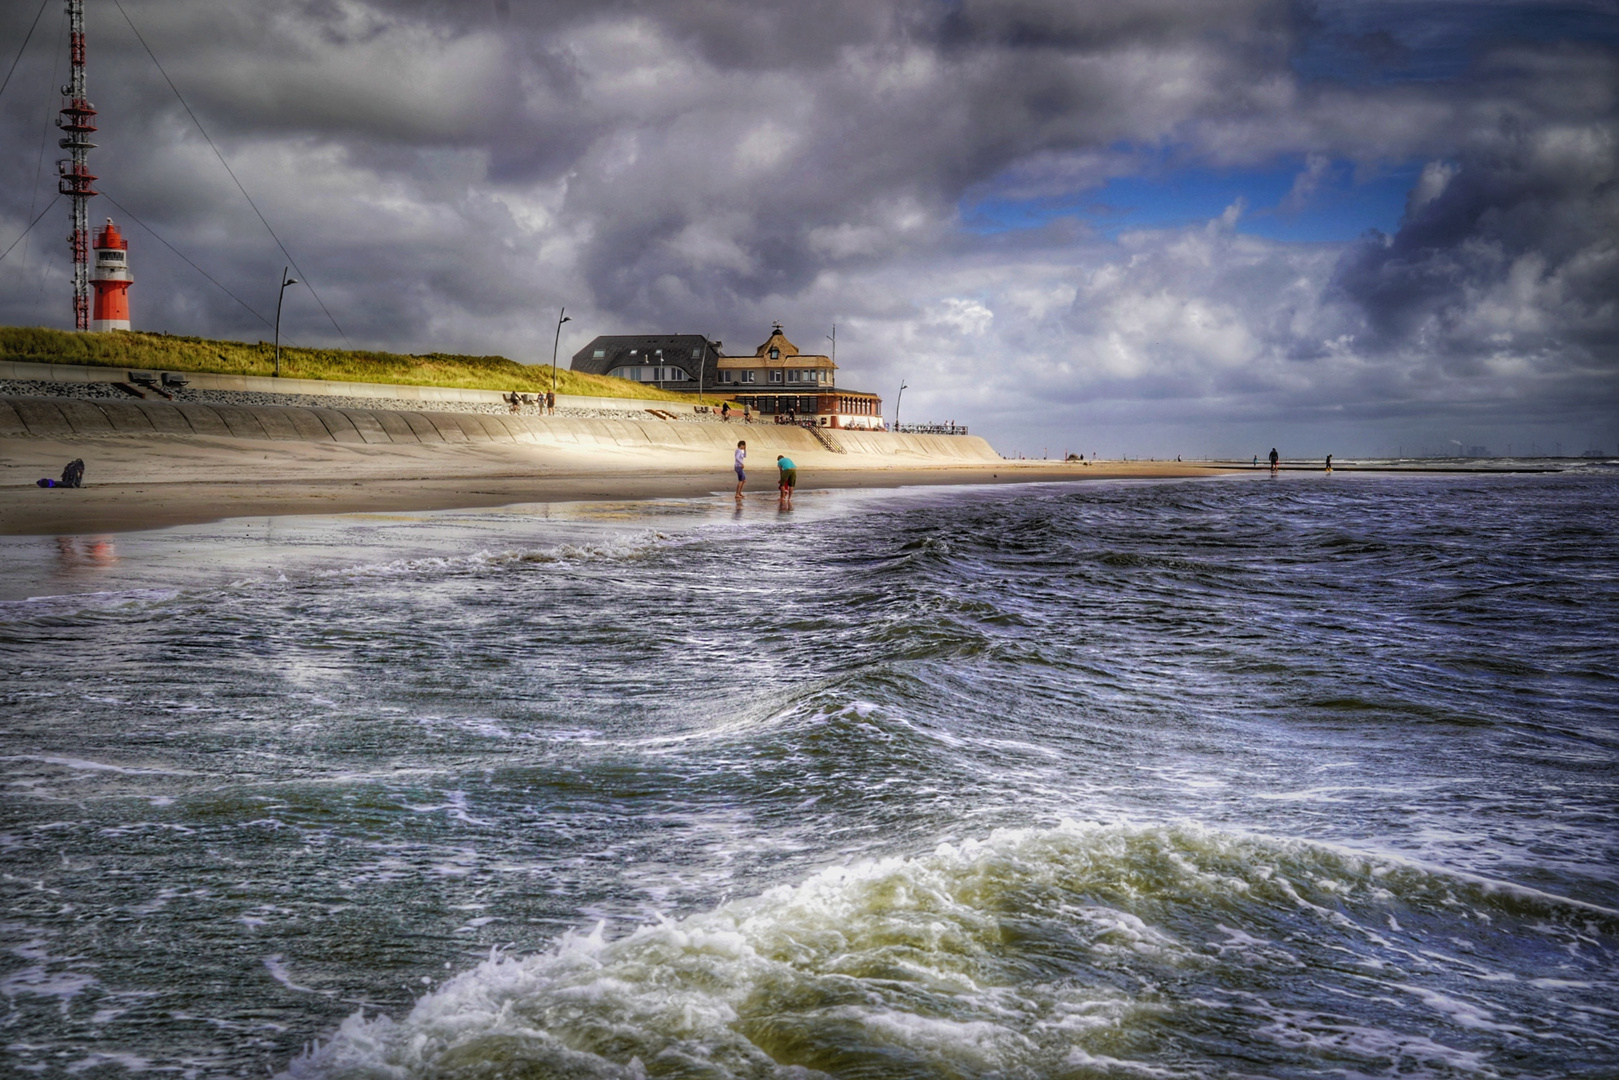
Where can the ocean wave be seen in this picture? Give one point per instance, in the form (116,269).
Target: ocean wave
(621,549)
(1034,952)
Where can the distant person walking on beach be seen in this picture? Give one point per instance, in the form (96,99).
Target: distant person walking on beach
(550,403)
(1275,459)
(741,477)
(788,481)
(1329,462)
(725,411)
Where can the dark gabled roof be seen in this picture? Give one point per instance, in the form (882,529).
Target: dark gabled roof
(616,350)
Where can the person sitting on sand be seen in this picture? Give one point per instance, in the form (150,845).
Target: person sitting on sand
(72,476)
(741,477)
(788,480)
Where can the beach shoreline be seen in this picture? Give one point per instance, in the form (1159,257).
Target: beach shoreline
(141,484)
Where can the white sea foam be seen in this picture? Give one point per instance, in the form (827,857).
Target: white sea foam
(277,968)
(911,960)
(613,549)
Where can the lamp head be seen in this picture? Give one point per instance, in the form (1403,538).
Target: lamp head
(289,281)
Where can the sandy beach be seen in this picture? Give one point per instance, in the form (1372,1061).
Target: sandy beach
(152,482)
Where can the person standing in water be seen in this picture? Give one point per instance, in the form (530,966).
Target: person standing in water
(1329,462)
(788,481)
(741,477)
(1275,458)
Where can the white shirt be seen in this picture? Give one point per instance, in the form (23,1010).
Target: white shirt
(740,454)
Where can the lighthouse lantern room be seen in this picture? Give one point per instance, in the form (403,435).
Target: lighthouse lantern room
(111,280)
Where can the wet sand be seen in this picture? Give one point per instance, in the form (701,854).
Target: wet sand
(150,483)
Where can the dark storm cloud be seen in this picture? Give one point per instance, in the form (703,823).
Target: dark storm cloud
(450,173)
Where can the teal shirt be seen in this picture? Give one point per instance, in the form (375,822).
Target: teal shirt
(786,463)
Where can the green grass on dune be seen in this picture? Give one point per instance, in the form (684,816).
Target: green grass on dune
(164,352)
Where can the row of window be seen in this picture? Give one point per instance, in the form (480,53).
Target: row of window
(601,354)
(650,374)
(806,375)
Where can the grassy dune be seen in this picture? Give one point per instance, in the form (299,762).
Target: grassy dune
(165,352)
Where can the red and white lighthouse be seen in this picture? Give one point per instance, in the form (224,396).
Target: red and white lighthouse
(111,280)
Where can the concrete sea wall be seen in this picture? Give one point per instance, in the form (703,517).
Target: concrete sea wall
(61,418)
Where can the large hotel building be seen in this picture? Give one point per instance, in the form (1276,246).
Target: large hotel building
(776,380)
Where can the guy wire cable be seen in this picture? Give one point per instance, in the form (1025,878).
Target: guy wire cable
(31,225)
(26,39)
(154,233)
(303,277)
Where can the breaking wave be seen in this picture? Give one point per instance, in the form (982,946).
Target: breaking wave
(1034,952)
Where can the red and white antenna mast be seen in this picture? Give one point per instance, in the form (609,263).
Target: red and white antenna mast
(73,175)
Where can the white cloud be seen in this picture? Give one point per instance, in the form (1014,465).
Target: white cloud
(449,179)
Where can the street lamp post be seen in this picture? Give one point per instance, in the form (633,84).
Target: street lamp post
(562,317)
(899,397)
(285,282)
(702,363)
(833,338)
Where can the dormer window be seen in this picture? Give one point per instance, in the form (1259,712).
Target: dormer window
(775,354)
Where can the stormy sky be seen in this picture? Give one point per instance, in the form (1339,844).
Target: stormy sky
(1141,226)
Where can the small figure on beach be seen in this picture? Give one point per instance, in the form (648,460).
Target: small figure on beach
(72,476)
(747,413)
(725,412)
(515,400)
(1275,459)
(550,403)
(1329,462)
(788,480)
(741,477)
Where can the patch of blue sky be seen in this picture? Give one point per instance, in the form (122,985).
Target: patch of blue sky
(1339,208)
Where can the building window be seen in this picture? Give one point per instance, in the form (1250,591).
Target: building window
(599,353)
(775,354)
(775,376)
(725,376)
(695,353)
(748,376)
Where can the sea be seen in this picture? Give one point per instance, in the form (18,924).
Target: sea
(1305,776)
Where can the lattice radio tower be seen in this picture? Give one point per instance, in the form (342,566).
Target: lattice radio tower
(77,121)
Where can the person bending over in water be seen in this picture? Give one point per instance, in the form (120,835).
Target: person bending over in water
(741,477)
(788,481)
